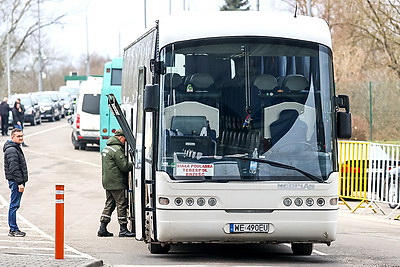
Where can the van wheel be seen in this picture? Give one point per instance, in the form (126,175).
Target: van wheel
(74,142)
(158,248)
(33,122)
(304,249)
(82,146)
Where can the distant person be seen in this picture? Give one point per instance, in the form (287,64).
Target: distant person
(18,112)
(16,172)
(115,169)
(4,113)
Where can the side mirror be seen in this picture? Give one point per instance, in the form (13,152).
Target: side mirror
(343,125)
(342,101)
(343,119)
(157,67)
(151,98)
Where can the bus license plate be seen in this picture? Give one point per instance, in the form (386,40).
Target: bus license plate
(249,228)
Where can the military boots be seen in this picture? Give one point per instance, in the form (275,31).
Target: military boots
(124,232)
(103,230)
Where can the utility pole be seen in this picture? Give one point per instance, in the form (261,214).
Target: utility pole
(87,49)
(9,62)
(145,14)
(40,59)
(309,13)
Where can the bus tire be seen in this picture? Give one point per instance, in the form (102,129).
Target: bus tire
(304,249)
(158,248)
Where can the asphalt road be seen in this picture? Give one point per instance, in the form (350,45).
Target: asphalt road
(363,239)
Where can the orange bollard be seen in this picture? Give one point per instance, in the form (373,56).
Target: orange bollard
(59,237)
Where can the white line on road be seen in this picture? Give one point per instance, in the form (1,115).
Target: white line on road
(65,158)
(45,131)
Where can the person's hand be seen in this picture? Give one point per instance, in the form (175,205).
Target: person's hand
(21,188)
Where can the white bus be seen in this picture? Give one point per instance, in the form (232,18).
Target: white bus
(235,130)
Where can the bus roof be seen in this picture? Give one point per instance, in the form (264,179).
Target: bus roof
(192,25)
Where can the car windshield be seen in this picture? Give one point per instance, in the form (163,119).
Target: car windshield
(226,102)
(25,100)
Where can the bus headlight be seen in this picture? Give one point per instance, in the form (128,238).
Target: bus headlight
(320,202)
(201,201)
(333,201)
(212,201)
(189,201)
(287,202)
(309,202)
(178,201)
(298,202)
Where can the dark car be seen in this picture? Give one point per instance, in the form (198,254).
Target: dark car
(32,109)
(55,95)
(49,107)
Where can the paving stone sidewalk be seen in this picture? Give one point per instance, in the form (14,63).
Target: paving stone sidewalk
(25,260)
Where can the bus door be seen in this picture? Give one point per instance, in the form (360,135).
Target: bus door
(135,151)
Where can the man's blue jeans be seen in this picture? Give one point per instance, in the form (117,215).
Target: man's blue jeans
(15,201)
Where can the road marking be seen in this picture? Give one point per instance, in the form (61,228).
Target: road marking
(63,158)
(42,234)
(47,130)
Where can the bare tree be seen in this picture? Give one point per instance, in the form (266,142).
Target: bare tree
(19,26)
(377,26)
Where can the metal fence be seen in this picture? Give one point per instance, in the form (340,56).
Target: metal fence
(369,173)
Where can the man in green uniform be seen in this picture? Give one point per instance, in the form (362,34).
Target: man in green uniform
(115,169)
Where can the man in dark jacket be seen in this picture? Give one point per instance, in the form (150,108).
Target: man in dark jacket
(115,170)
(4,113)
(16,172)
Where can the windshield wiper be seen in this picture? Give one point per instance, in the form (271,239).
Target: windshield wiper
(247,158)
(278,165)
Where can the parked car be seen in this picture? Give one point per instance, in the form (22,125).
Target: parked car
(86,120)
(49,108)
(68,103)
(32,109)
(356,172)
(55,95)
(72,91)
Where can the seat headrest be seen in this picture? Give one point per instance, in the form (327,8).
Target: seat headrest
(172,80)
(265,82)
(288,114)
(189,125)
(201,80)
(295,82)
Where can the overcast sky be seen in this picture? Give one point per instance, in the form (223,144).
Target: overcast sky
(112,25)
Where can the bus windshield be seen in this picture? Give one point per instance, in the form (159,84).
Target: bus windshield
(248,109)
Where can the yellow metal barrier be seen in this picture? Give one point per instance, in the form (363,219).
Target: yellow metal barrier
(353,166)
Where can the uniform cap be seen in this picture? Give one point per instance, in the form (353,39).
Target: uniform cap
(119,132)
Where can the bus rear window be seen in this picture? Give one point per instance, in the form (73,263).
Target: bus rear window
(91,103)
(116,75)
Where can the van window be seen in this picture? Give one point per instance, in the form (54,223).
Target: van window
(91,103)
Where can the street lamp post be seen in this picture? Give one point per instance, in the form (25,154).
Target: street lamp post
(40,59)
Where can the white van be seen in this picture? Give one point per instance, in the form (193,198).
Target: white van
(86,122)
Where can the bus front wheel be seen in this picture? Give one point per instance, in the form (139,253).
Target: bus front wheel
(302,248)
(158,248)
